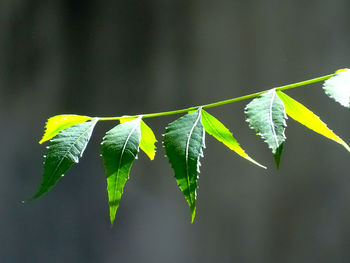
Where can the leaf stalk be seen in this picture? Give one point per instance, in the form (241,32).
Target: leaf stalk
(220,103)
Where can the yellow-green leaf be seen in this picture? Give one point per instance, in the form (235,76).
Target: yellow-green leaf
(58,123)
(148,139)
(301,114)
(218,130)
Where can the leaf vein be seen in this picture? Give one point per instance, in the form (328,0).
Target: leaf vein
(121,157)
(187,148)
(271,118)
(68,152)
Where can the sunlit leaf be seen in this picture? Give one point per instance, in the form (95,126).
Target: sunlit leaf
(184,138)
(218,130)
(60,122)
(338,87)
(267,116)
(148,139)
(301,114)
(183,143)
(119,150)
(64,150)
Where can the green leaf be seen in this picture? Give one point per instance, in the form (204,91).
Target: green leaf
(119,150)
(338,87)
(216,129)
(58,123)
(148,139)
(267,116)
(183,143)
(64,150)
(301,114)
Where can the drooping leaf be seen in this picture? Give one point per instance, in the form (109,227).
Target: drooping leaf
(267,116)
(338,87)
(301,114)
(148,139)
(64,150)
(58,123)
(218,130)
(184,143)
(119,150)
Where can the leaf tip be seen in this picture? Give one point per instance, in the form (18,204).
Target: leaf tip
(37,195)
(346,146)
(32,198)
(111,223)
(112,214)
(255,162)
(193,214)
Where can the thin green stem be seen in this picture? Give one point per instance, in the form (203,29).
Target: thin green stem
(223,102)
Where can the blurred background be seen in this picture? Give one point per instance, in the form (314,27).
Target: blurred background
(109,58)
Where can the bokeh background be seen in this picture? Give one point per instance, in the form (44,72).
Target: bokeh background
(108,58)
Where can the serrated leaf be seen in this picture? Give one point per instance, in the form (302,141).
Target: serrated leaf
(338,87)
(119,150)
(301,114)
(64,150)
(267,116)
(218,130)
(184,143)
(58,123)
(148,139)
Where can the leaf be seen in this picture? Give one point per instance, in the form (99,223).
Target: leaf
(119,150)
(267,116)
(58,123)
(148,139)
(338,87)
(184,143)
(216,129)
(64,150)
(301,114)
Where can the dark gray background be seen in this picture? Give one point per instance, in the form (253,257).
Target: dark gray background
(105,58)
